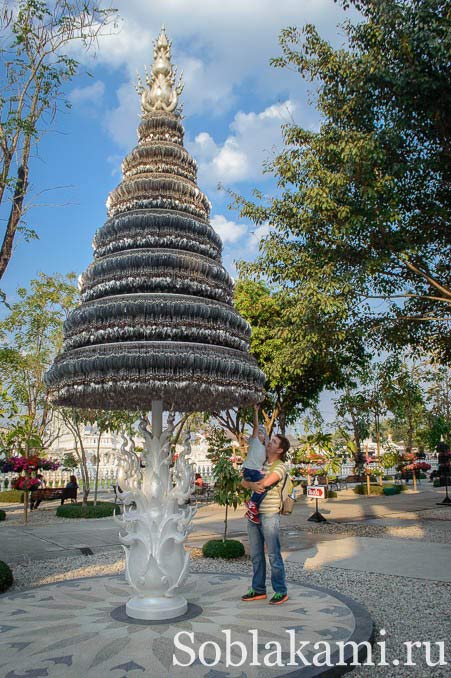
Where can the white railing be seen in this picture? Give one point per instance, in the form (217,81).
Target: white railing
(108,477)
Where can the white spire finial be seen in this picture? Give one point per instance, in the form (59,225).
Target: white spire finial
(161,93)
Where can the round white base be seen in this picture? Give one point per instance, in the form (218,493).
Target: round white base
(155,609)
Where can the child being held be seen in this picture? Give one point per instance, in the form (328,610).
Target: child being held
(252,466)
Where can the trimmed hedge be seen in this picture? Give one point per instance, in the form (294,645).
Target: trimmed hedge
(362,489)
(216,548)
(11,497)
(6,576)
(104,509)
(392,489)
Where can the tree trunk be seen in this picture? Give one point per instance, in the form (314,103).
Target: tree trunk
(14,219)
(367,469)
(96,481)
(282,422)
(25,506)
(225,522)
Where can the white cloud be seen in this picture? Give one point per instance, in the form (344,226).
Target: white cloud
(128,110)
(254,138)
(228,231)
(223,48)
(91,94)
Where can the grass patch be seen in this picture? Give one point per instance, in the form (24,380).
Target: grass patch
(11,496)
(6,576)
(104,509)
(216,548)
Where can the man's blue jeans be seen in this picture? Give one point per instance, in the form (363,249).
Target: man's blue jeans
(259,535)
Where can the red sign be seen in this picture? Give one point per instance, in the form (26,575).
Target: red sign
(316,492)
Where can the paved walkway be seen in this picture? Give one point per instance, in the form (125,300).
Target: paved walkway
(420,559)
(402,558)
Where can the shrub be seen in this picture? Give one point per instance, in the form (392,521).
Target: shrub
(103,509)
(6,576)
(2,515)
(403,488)
(374,489)
(11,497)
(216,548)
(392,489)
(387,477)
(436,483)
(331,494)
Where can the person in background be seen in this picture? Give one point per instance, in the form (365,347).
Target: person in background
(199,481)
(34,503)
(69,489)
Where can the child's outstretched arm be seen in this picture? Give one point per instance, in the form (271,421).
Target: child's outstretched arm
(255,429)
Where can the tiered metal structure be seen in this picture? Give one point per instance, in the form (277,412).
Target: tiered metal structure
(156,329)
(156,319)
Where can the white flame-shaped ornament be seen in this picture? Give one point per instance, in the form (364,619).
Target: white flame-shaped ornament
(162,93)
(156,524)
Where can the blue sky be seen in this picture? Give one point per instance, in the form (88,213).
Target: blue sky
(234,104)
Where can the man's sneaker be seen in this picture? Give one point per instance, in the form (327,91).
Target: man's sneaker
(253,595)
(278,599)
(252,517)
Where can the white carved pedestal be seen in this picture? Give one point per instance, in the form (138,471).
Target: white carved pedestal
(156,521)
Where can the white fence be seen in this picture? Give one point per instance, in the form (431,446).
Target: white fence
(107,477)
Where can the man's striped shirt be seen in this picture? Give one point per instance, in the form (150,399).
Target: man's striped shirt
(271,502)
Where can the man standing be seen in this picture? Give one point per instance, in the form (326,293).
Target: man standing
(267,530)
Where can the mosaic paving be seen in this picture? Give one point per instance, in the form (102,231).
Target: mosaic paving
(75,629)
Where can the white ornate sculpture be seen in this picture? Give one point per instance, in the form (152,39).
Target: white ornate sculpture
(129,476)
(157,523)
(161,93)
(156,327)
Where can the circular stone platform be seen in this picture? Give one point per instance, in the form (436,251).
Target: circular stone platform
(79,628)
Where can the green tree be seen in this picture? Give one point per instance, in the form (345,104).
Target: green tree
(108,421)
(69,462)
(34,69)
(404,398)
(76,420)
(353,416)
(227,480)
(361,219)
(30,337)
(437,386)
(301,347)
